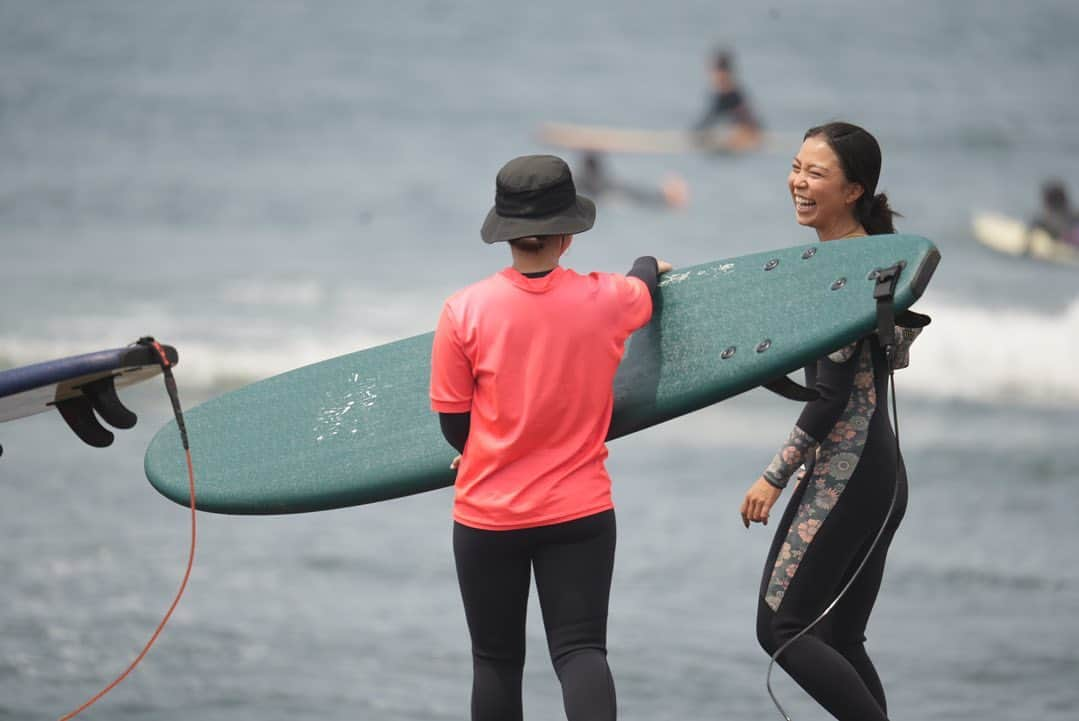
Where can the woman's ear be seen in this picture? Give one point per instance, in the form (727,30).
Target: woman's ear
(855,191)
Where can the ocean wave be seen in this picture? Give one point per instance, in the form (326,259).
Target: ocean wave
(969,352)
(968,576)
(993,355)
(208,366)
(297,292)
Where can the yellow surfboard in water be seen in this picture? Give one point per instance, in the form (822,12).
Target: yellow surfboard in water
(1014,237)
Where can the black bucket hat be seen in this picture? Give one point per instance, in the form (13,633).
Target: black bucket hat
(535,195)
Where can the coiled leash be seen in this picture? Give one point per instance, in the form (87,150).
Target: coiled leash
(884,293)
(170,387)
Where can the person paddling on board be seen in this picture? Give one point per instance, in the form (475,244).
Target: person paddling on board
(728,104)
(522,372)
(595,180)
(846,443)
(1057,218)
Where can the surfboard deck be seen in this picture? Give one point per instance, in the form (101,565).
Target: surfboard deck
(608,139)
(1011,236)
(36,388)
(358,428)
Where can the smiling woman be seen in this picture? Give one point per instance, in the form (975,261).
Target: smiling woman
(827,556)
(833,182)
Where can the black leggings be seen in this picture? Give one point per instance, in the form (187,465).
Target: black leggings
(573,563)
(831,662)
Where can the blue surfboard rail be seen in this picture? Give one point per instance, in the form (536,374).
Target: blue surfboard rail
(47,373)
(82,388)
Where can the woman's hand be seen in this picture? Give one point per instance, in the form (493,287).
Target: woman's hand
(759,500)
(663,266)
(454,463)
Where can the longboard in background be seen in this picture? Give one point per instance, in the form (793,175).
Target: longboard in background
(607,139)
(82,388)
(1014,237)
(358,428)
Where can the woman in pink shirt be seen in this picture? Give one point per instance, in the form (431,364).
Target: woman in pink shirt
(522,372)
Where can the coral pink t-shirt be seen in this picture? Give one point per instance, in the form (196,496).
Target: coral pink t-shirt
(534,360)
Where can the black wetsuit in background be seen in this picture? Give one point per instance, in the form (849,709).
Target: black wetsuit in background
(730,104)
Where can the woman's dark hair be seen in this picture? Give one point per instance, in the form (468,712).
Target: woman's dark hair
(1055,196)
(723,60)
(859,156)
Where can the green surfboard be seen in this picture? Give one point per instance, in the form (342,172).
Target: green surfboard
(358,428)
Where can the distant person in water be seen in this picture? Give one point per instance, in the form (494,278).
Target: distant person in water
(1057,218)
(595,180)
(728,104)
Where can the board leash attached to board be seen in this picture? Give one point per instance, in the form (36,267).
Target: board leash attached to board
(82,389)
(884,294)
(170,387)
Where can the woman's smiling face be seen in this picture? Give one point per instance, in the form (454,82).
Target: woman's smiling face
(823,197)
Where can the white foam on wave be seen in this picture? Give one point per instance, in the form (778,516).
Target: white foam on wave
(245,331)
(996,355)
(969,352)
(206,364)
(296,292)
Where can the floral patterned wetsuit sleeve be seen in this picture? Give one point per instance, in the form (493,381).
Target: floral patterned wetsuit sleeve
(800,446)
(834,381)
(845,411)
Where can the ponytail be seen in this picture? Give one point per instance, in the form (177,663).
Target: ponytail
(876,215)
(860,157)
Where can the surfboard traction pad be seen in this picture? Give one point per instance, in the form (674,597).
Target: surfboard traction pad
(358,428)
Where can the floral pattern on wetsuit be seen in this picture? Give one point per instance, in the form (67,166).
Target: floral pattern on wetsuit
(904,337)
(837,458)
(800,445)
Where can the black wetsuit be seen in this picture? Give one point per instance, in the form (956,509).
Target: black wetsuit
(573,563)
(1061,225)
(830,521)
(595,182)
(732,104)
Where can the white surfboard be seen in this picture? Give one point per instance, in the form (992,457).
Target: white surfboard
(1014,237)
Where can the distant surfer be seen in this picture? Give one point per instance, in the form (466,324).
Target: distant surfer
(522,369)
(729,106)
(851,470)
(595,180)
(1057,218)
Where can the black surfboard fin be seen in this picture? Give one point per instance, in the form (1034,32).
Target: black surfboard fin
(79,414)
(102,395)
(790,390)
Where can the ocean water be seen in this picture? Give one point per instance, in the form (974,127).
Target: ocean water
(268,184)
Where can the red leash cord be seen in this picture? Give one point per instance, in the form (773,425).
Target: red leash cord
(170,385)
